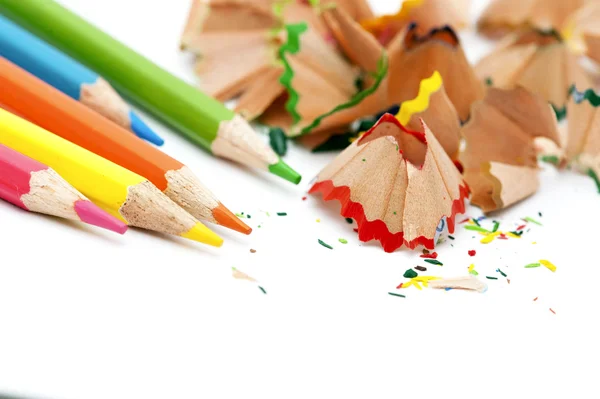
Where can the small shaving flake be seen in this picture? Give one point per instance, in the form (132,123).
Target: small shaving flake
(421,268)
(398,295)
(410,273)
(501,272)
(349,220)
(434,262)
(491,278)
(325,245)
(433,255)
(532,265)
(472,270)
(252,251)
(496,225)
(477,228)
(549,265)
(262,289)
(281,214)
(343,240)
(531,220)
(472,252)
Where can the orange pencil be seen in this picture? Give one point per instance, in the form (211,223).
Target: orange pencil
(49,108)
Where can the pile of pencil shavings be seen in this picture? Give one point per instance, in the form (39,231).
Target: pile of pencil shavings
(397,94)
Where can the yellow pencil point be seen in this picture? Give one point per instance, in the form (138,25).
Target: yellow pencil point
(203,234)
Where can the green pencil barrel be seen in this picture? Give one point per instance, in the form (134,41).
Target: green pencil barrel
(170,99)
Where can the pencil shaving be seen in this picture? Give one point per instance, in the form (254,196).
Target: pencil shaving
(539,61)
(427,14)
(500,158)
(468,283)
(397,184)
(505,16)
(583,141)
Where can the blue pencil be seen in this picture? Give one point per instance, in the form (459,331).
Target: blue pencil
(67,75)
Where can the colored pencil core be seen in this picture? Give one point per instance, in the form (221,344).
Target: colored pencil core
(226,218)
(281,169)
(143,131)
(91,214)
(203,234)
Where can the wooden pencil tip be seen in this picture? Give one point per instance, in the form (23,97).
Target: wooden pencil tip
(226,218)
(92,214)
(281,169)
(203,234)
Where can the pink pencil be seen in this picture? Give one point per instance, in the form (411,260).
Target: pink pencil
(35,187)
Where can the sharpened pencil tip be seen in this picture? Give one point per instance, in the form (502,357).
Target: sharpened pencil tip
(92,214)
(142,130)
(226,218)
(203,234)
(282,169)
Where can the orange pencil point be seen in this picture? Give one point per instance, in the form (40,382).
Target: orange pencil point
(226,218)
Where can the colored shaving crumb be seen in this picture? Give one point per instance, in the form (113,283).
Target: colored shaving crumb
(398,295)
(281,214)
(252,251)
(268,214)
(421,268)
(425,251)
(521,227)
(476,222)
(417,281)
(496,225)
(472,270)
(349,220)
(472,252)
(532,265)
(491,278)
(433,255)
(450,237)
(531,220)
(325,245)
(318,220)
(304,198)
(343,241)
(548,265)
(249,216)
(490,237)
(464,221)
(434,262)
(552,311)
(535,299)
(410,273)
(501,272)
(477,228)
(240,215)
(534,242)
(540,214)
(262,289)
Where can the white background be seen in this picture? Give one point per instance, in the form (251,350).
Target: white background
(89,314)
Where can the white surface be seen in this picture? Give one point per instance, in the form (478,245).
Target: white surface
(144,316)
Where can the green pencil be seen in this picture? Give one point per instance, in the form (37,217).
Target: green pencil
(202,119)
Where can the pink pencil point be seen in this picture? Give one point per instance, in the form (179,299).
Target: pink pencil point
(92,214)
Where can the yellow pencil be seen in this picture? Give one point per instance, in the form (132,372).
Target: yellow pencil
(124,194)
